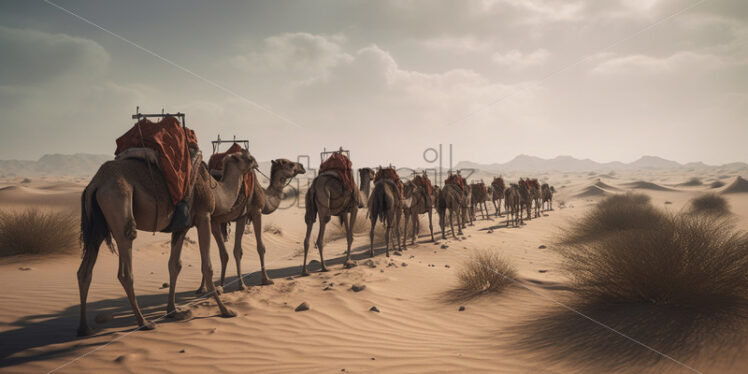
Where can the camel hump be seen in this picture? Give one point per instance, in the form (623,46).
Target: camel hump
(139,153)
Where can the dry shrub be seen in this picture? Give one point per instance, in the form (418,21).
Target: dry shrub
(485,272)
(34,231)
(692,182)
(717,184)
(273,229)
(697,261)
(629,211)
(711,204)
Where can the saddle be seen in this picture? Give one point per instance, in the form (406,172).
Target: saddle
(390,175)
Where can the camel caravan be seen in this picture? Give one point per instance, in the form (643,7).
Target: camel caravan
(159,182)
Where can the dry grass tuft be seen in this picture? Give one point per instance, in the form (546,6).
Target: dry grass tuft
(717,184)
(38,232)
(692,182)
(486,272)
(711,204)
(273,229)
(629,211)
(698,261)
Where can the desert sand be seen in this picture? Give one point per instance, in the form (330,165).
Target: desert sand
(418,328)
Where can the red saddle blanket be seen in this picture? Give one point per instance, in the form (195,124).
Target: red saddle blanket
(341,165)
(216,163)
(456,180)
(482,186)
(390,174)
(423,182)
(172,143)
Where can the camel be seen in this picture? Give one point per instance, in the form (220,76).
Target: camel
(497,193)
(547,195)
(250,209)
(535,194)
(328,196)
(123,198)
(479,196)
(467,203)
(525,197)
(451,198)
(420,202)
(513,205)
(386,206)
(366,177)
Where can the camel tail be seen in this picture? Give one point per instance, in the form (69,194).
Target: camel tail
(94,229)
(311,206)
(378,203)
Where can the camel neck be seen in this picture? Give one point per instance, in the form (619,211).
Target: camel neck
(228,189)
(273,193)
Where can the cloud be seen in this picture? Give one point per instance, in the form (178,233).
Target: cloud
(515,59)
(31,57)
(299,54)
(644,64)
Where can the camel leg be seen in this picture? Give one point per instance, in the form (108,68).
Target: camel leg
(125,277)
(85,272)
(217,232)
(398,217)
(309,226)
(371,235)
(431,226)
(388,227)
(257,226)
(416,228)
(349,219)
(202,223)
(321,242)
(405,229)
(442,224)
(241,223)
(175,266)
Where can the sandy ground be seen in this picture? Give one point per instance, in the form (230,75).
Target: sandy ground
(418,328)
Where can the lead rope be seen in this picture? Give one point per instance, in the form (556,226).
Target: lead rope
(153,182)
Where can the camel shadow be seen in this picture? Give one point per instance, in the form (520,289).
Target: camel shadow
(39,330)
(644,334)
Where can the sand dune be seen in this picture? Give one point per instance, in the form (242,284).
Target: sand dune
(592,191)
(644,185)
(739,185)
(417,329)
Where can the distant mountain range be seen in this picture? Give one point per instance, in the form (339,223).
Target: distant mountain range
(83,164)
(79,164)
(568,163)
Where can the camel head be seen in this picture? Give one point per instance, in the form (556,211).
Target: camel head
(285,169)
(242,159)
(366,171)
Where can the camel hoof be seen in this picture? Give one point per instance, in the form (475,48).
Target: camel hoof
(200,291)
(228,313)
(266,282)
(304,273)
(148,326)
(85,331)
(348,264)
(180,315)
(324,269)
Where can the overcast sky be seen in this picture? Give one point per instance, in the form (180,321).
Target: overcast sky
(386,79)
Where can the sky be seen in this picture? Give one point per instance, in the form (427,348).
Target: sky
(606,80)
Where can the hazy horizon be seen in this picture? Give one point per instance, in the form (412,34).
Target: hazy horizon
(387,80)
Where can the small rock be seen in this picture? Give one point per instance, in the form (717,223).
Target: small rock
(412,256)
(165,285)
(397,253)
(444,246)
(358,287)
(542,246)
(542,271)
(302,307)
(103,317)
(182,351)
(446,266)
(381,270)
(462,308)
(373,358)
(668,202)
(404,264)
(490,231)
(374,309)
(24,268)
(328,288)
(152,272)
